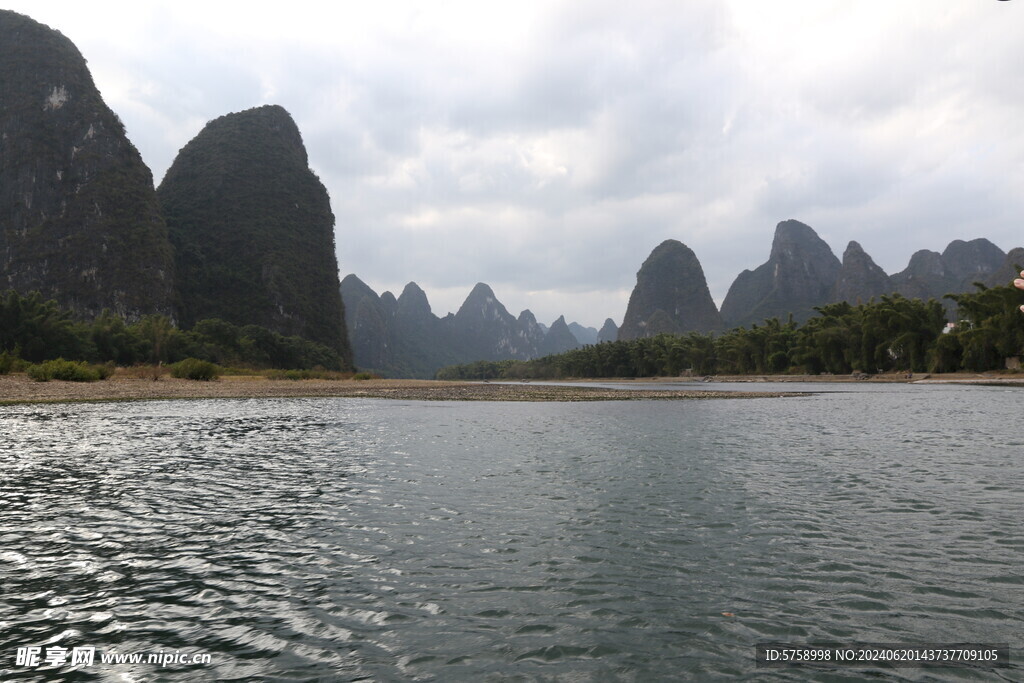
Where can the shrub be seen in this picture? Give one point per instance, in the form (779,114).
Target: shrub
(365,375)
(11,362)
(193,368)
(39,373)
(66,370)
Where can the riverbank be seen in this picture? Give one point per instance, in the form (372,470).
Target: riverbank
(902,378)
(18,388)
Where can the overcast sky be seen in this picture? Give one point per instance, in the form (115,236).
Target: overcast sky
(547,147)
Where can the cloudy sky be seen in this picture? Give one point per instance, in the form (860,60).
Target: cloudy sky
(547,147)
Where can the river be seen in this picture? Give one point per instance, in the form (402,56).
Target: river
(361,539)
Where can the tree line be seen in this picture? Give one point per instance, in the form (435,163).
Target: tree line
(33,330)
(890,334)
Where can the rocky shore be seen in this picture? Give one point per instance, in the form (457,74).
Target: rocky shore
(21,389)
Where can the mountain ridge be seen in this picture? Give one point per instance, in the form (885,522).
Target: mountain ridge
(385,340)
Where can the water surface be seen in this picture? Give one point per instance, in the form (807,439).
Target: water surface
(348,539)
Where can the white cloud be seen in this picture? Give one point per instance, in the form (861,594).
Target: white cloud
(547,147)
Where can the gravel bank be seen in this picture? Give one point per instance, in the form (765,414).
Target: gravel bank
(21,389)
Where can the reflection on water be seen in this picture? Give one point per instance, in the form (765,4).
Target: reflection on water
(357,539)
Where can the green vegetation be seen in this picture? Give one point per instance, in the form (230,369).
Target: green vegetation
(193,368)
(10,361)
(362,376)
(892,334)
(68,371)
(33,330)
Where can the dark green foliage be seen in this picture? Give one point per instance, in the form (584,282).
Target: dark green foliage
(10,361)
(40,329)
(891,334)
(36,330)
(254,233)
(193,368)
(157,335)
(226,344)
(67,370)
(483,369)
(114,341)
(990,326)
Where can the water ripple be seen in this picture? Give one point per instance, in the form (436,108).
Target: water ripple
(346,539)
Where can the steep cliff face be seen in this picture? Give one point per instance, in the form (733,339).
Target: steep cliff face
(860,279)
(79,219)
(253,229)
(800,273)
(532,332)
(671,295)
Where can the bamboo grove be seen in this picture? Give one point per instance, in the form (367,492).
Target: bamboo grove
(890,334)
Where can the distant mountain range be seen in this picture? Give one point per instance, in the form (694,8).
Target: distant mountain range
(403,338)
(801,273)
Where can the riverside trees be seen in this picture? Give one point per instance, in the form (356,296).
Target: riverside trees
(34,330)
(890,334)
